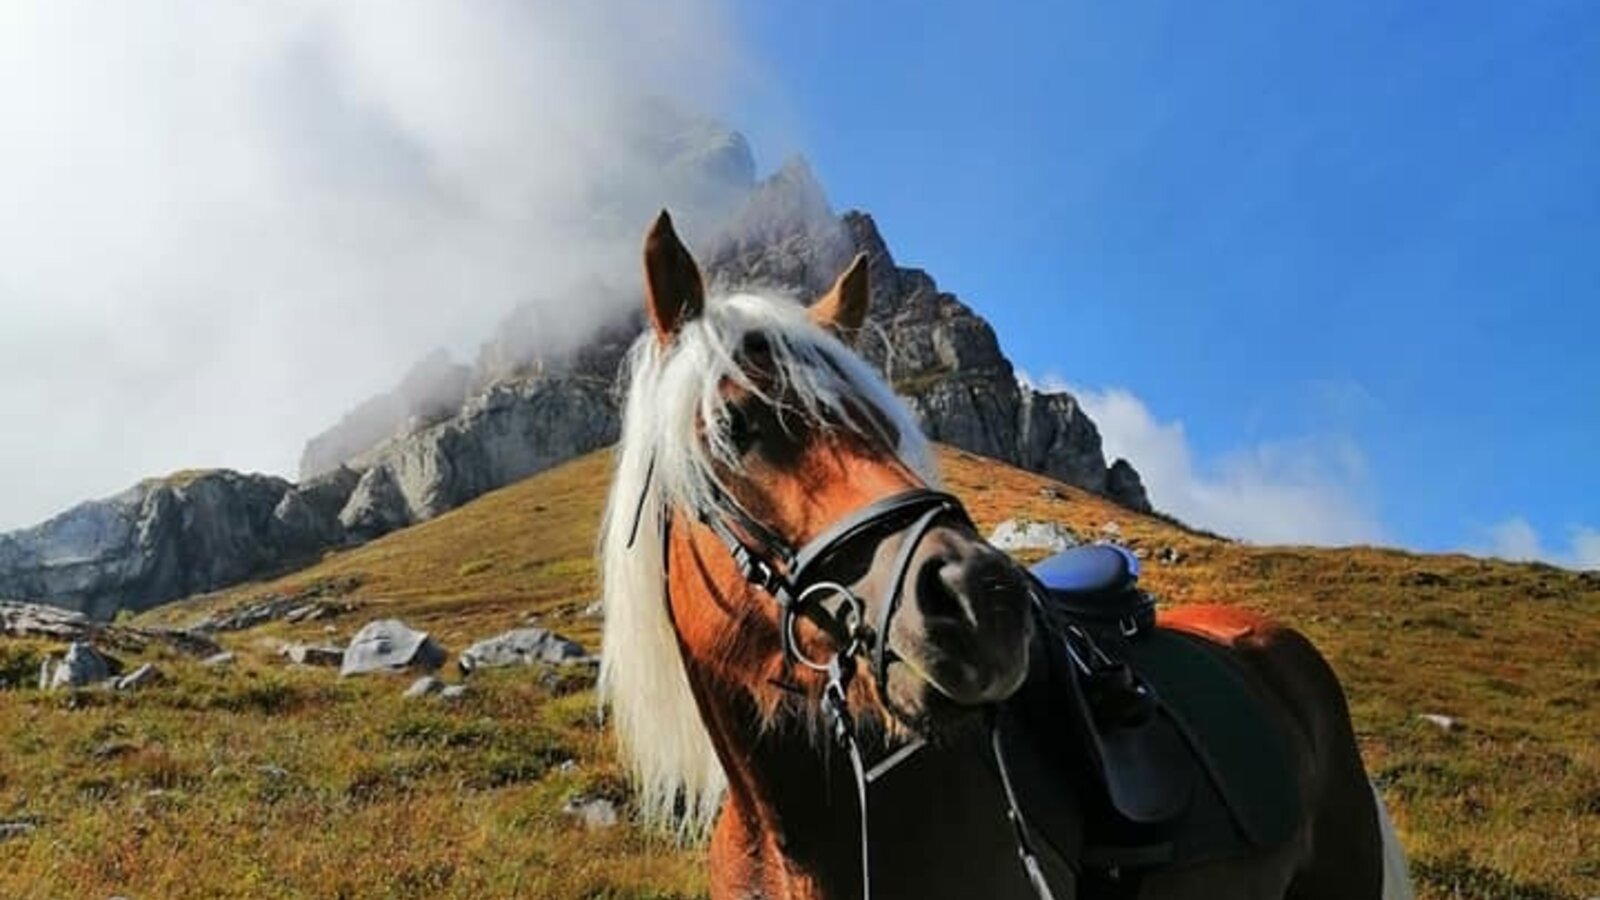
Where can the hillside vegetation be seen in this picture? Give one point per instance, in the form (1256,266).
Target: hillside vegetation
(266,780)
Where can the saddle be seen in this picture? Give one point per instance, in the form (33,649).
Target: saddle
(1154,736)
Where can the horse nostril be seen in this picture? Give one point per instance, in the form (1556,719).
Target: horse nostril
(940,589)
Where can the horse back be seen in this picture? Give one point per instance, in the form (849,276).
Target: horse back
(1344,858)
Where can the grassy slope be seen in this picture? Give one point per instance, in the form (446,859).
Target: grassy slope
(268,781)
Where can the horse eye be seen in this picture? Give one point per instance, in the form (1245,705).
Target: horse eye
(741,429)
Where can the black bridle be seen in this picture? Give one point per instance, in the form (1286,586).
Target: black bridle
(796,580)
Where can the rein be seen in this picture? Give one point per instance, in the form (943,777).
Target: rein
(795,580)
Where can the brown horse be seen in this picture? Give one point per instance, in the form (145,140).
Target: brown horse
(779,571)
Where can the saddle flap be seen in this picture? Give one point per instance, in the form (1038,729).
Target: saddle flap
(1149,777)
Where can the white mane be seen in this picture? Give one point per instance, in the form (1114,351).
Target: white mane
(671,390)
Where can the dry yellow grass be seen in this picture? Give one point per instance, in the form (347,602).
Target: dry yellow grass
(268,781)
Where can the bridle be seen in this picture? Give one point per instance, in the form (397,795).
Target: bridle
(796,580)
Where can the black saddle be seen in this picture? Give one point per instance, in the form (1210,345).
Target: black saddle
(1164,745)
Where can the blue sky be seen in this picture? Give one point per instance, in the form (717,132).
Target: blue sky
(1331,266)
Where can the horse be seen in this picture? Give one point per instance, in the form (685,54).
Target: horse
(788,596)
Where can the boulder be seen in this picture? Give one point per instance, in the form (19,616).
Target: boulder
(520,647)
(82,666)
(1013,535)
(452,692)
(389,645)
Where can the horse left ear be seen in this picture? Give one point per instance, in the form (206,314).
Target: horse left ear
(674,291)
(843,309)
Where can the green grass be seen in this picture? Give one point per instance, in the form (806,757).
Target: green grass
(265,780)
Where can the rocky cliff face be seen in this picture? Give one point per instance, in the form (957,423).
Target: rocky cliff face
(535,398)
(168,538)
(538,404)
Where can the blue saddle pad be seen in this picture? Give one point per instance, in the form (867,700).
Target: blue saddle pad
(1094,569)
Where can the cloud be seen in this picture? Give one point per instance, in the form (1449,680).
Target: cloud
(226,223)
(1517,540)
(1310,490)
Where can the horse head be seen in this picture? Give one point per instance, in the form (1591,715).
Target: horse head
(796,525)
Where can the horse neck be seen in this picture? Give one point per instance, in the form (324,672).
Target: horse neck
(789,826)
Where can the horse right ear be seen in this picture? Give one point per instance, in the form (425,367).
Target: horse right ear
(674,291)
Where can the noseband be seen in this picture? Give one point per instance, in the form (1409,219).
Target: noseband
(797,578)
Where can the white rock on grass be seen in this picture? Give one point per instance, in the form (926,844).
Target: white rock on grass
(1443,723)
(521,647)
(143,676)
(424,686)
(593,812)
(1013,535)
(82,665)
(389,645)
(219,660)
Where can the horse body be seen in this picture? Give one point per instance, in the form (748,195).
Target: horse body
(747,680)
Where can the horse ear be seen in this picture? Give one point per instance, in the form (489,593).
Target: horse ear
(674,291)
(843,309)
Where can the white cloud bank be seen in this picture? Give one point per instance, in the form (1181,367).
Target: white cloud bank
(1308,490)
(1517,540)
(222,224)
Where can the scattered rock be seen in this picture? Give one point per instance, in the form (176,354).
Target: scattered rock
(36,620)
(185,641)
(143,676)
(1052,493)
(310,655)
(272,772)
(595,610)
(593,812)
(1170,556)
(1111,530)
(82,666)
(1444,723)
(567,765)
(219,660)
(452,692)
(424,686)
(389,645)
(112,750)
(292,608)
(521,647)
(1141,553)
(17,829)
(1013,535)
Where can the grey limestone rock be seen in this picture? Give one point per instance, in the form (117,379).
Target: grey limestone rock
(422,687)
(521,647)
(592,812)
(389,645)
(1013,535)
(81,666)
(143,676)
(160,540)
(36,620)
(311,655)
